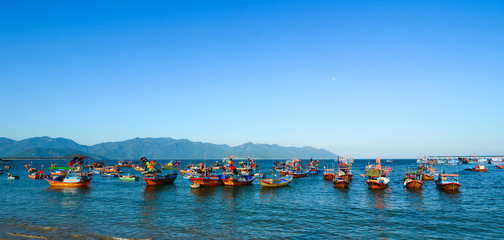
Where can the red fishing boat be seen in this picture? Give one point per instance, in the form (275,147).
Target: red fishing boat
(499,166)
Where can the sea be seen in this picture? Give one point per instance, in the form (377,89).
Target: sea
(310,208)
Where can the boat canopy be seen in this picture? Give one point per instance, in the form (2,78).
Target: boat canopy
(373,173)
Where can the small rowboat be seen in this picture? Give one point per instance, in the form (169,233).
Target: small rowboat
(275,183)
(237,180)
(12,177)
(157,179)
(210,181)
(294,174)
(427,177)
(499,166)
(71,180)
(341,183)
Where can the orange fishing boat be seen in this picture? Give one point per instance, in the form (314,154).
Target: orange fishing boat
(377,176)
(499,166)
(71,180)
(413,180)
(341,183)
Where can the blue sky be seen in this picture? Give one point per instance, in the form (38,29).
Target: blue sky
(362,78)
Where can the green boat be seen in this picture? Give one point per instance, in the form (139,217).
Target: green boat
(128,177)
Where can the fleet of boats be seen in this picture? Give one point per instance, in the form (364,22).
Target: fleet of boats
(235,174)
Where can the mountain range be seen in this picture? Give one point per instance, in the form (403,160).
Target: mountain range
(155,148)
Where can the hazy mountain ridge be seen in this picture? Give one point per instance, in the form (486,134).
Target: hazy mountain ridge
(156,148)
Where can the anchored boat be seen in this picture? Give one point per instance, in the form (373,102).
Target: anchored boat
(447,182)
(72,179)
(413,180)
(276,182)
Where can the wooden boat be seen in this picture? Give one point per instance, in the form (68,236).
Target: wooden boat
(70,180)
(499,166)
(128,177)
(427,171)
(139,168)
(377,183)
(345,171)
(237,180)
(329,174)
(377,175)
(341,183)
(314,171)
(427,177)
(294,174)
(447,182)
(208,181)
(276,182)
(35,175)
(156,179)
(413,180)
(478,168)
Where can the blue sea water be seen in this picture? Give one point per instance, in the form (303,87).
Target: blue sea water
(310,208)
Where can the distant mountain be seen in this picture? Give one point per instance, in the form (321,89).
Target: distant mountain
(156,148)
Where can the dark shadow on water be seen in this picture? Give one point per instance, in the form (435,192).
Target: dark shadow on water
(229,192)
(204,192)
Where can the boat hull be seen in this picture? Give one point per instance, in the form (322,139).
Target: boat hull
(376,185)
(478,170)
(499,166)
(413,184)
(234,182)
(270,184)
(342,183)
(83,183)
(329,176)
(207,182)
(35,176)
(152,181)
(427,177)
(452,186)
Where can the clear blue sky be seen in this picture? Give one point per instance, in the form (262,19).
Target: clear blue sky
(366,78)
